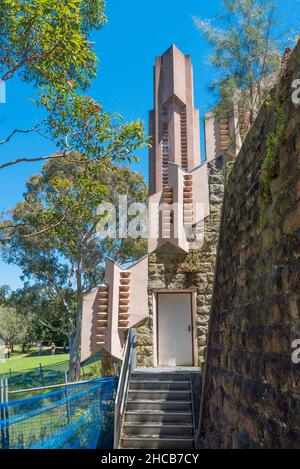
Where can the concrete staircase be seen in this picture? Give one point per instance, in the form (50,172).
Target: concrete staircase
(159,411)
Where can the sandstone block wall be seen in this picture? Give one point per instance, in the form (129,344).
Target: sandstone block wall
(171,268)
(252,390)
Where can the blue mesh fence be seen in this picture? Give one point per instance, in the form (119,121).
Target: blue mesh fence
(76,417)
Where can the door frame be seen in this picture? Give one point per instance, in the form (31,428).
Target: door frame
(165,291)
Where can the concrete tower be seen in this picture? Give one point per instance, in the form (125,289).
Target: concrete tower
(174,123)
(179,194)
(165,296)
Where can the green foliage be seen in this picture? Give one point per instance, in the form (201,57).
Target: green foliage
(274,141)
(4,293)
(245,325)
(34,315)
(45,313)
(13,326)
(271,162)
(285,389)
(52,236)
(245,54)
(46,41)
(78,123)
(192,263)
(229,170)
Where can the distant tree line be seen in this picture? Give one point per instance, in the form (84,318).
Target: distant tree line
(22,318)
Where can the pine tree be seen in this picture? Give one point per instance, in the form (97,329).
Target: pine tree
(245,54)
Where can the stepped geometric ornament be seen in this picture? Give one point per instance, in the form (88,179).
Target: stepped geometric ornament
(110,310)
(174,159)
(179,201)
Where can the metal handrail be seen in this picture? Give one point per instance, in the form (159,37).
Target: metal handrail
(193,409)
(129,363)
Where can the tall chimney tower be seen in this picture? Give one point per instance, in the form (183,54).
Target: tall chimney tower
(174,123)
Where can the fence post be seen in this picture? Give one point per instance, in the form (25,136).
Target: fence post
(4,413)
(42,375)
(67,396)
(6,391)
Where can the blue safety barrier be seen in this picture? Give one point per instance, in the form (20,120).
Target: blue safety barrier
(75,417)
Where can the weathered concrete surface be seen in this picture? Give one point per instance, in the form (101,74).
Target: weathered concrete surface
(174,123)
(171,268)
(252,391)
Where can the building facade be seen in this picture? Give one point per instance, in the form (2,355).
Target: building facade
(166,295)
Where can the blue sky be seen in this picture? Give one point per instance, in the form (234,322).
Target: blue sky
(137,31)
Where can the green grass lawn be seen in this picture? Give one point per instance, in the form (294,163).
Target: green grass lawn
(23,370)
(19,361)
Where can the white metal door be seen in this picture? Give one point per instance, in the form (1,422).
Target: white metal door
(175,332)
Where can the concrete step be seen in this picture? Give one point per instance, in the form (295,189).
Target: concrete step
(158,417)
(139,394)
(158,413)
(159,405)
(157,443)
(161,430)
(160,376)
(160,385)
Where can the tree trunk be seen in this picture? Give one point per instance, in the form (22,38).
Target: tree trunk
(106,364)
(74,363)
(75,336)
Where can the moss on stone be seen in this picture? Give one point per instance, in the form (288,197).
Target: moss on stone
(192,263)
(274,141)
(271,163)
(229,170)
(245,325)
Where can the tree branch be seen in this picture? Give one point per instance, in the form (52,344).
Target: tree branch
(19,131)
(31,235)
(52,328)
(31,160)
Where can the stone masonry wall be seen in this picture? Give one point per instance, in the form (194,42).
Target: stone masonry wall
(251,393)
(171,268)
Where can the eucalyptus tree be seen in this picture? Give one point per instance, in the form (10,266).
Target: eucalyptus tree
(46,43)
(52,234)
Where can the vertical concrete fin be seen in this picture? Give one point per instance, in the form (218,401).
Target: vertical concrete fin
(174,123)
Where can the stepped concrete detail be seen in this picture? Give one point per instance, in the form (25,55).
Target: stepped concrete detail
(113,308)
(184,215)
(242,282)
(189,206)
(171,269)
(174,123)
(174,158)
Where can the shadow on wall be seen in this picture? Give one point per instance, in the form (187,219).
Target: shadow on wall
(251,393)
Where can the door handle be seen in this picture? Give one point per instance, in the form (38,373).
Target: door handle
(190,328)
